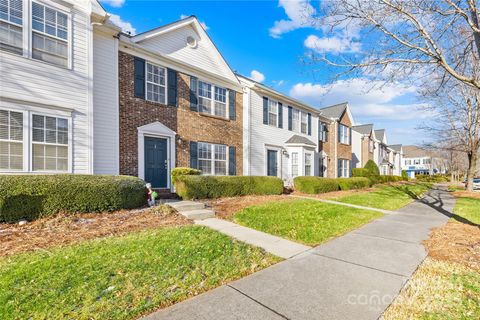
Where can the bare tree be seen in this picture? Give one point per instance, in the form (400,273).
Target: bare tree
(456,124)
(406,38)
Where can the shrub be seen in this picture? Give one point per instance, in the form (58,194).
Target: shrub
(388,178)
(360,172)
(372,168)
(184,171)
(33,196)
(438,178)
(211,187)
(404,175)
(315,185)
(353,183)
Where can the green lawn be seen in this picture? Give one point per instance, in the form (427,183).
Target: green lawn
(387,197)
(306,221)
(468,208)
(122,277)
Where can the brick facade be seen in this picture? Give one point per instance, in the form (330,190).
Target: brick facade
(366,154)
(189,125)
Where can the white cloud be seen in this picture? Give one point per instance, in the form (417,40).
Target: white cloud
(257,76)
(125,25)
(299,13)
(114,3)
(367,98)
(278,83)
(204,25)
(334,45)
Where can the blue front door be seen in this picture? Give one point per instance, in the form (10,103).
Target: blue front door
(156,165)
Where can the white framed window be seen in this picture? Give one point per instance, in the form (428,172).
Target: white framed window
(308,164)
(156,83)
(11,140)
(304,123)
(212,158)
(344,134)
(294,164)
(212,99)
(344,168)
(295,120)
(371,145)
(272,112)
(323,132)
(50,35)
(11,26)
(50,143)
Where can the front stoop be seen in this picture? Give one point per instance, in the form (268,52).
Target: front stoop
(192,210)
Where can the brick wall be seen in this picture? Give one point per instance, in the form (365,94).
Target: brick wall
(344,151)
(189,125)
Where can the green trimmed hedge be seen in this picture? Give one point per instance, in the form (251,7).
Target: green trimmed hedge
(360,172)
(372,168)
(353,183)
(315,185)
(212,187)
(31,197)
(184,171)
(437,178)
(388,178)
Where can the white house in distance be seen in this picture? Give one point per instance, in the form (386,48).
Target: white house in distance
(280,134)
(420,161)
(47,111)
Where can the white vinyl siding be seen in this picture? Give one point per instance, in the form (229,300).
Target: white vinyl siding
(272,113)
(212,99)
(11,140)
(49,35)
(11,26)
(156,83)
(212,158)
(49,143)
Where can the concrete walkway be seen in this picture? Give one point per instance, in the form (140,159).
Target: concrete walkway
(278,246)
(355,276)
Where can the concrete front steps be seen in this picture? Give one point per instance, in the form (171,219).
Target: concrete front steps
(192,210)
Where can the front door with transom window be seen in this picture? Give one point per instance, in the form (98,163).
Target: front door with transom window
(156,162)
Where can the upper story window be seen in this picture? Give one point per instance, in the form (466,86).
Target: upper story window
(371,145)
(212,99)
(343,134)
(156,83)
(295,120)
(323,132)
(212,158)
(408,162)
(304,123)
(11,140)
(49,35)
(11,25)
(272,112)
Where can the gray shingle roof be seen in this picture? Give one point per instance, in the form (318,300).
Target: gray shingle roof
(379,134)
(396,147)
(296,139)
(363,129)
(334,111)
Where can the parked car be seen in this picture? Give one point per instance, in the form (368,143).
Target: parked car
(476,184)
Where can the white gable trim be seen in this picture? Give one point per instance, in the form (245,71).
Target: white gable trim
(157,130)
(167,28)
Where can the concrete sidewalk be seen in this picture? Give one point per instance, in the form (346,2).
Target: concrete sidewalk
(355,276)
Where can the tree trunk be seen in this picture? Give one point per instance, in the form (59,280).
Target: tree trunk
(472,167)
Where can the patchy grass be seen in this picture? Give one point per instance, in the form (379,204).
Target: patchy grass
(307,221)
(388,197)
(122,277)
(439,290)
(468,209)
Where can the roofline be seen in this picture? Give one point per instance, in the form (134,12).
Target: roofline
(180,22)
(263,88)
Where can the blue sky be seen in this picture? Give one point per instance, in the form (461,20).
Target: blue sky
(269,38)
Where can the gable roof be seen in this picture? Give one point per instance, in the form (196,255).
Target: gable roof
(296,139)
(380,134)
(396,147)
(365,129)
(336,111)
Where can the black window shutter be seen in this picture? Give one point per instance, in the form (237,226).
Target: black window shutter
(350,135)
(172,87)
(309,130)
(280,115)
(326,131)
(290,115)
(193,94)
(139,81)
(231,104)
(339,173)
(193,155)
(232,162)
(265,110)
(339,131)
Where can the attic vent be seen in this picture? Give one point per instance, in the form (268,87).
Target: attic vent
(191,41)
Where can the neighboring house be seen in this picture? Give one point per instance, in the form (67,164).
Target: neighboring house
(396,158)
(382,154)
(363,145)
(180,105)
(47,108)
(417,160)
(281,134)
(337,150)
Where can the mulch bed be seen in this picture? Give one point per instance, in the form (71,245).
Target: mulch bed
(466,194)
(65,229)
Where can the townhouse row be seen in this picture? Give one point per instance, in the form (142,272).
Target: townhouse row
(77,95)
